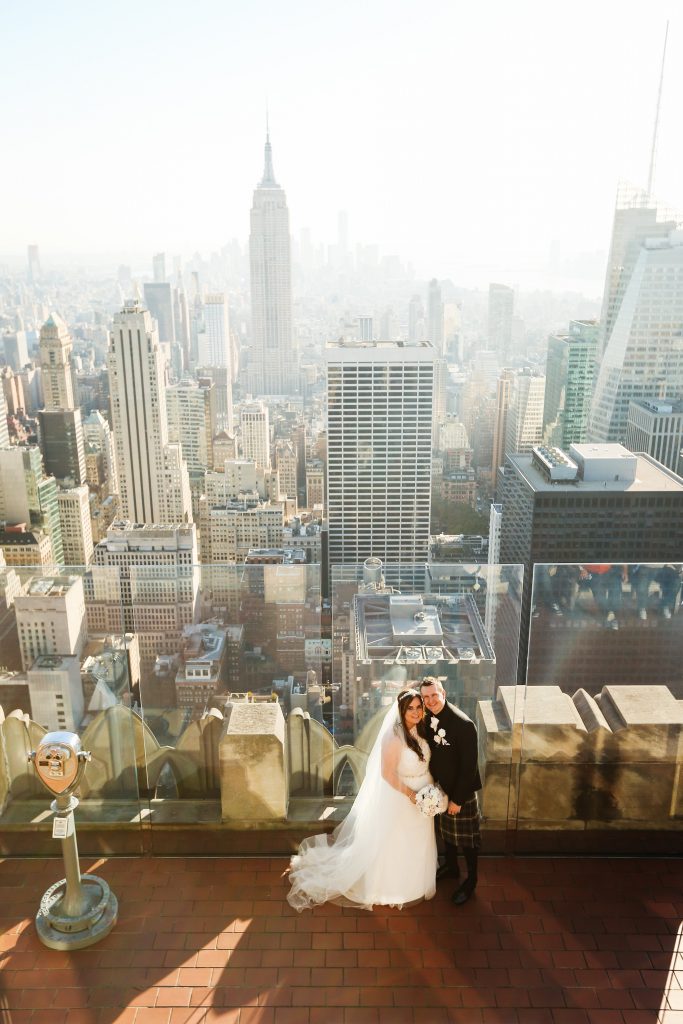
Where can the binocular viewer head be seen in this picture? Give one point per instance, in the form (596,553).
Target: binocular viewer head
(60,762)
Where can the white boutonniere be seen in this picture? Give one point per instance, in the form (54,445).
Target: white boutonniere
(439,734)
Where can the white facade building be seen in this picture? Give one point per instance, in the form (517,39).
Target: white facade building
(286,465)
(56,692)
(255,428)
(74,516)
(144,580)
(524,427)
(380,397)
(153,476)
(50,617)
(189,411)
(230,532)
(55,364)
(98,437)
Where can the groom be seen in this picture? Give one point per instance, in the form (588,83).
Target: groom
(452,738)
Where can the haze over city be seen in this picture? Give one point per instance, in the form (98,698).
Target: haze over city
(476,142)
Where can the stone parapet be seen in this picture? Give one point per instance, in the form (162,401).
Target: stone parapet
(558,761)
(252,764)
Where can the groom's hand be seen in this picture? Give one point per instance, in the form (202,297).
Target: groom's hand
(453,808)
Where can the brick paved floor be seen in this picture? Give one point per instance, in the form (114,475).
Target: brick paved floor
(545,941)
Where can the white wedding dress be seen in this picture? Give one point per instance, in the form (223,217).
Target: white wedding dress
(384,852)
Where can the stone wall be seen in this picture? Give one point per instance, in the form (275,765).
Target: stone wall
(551,760)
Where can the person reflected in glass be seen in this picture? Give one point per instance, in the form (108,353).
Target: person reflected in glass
(545,589)
(567,587)
(384,852)
(669,579)
(641,577)
(606,582)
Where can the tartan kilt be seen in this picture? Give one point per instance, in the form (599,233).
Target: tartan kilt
(462,829)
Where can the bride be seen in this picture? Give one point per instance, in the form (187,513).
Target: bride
(384,852)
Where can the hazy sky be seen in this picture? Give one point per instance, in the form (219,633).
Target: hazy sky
(463,136)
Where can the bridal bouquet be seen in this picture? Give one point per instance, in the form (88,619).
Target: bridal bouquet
(431,800)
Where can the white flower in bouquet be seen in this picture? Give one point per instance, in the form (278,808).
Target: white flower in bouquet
(431,800)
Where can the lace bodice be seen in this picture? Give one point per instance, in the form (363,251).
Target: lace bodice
(411,769)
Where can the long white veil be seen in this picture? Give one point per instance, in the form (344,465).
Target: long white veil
(330,867)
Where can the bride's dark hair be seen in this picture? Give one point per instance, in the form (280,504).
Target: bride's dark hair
(404,699)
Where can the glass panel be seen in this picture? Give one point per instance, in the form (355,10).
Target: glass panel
(69,664)
(602,710)
(234,677)
(393,625)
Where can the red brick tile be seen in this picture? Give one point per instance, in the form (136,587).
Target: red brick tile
(615,999)
(188,1015)
(512,997)
(220,1016)
(348,957)
(569,1015)
(547,995)
(462,1015)
(494,1015)
(257,1015)
(647,998)
(307,996)
(148,1015)
(341,995)
(376,997)
(477,997)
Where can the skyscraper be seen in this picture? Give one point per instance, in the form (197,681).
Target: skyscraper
(74,518)
(569,379)
(504,386)
(159,267)
(153,475)
(435,307)
(415,319)
(256,434)
(55,364)
(4,431)
(593,504)
(380,397)
(16,349)
(525,418)
(28,496)
(190,414)
(501,305)
(159,301)
(641,344)
(214,339)
(34,269)
(273,369)
(61,428)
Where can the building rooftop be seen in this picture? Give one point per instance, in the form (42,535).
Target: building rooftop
(648,474)
(412,629)
(379,349)
(659,406)
(50,586)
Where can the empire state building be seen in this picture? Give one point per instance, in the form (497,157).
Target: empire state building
(273,367)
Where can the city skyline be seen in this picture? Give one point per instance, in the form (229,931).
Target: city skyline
(520,197)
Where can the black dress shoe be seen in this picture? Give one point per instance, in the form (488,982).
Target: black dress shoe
(446,871)
(462,894)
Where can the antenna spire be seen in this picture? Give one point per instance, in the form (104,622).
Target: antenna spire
(650,177)
(268,180)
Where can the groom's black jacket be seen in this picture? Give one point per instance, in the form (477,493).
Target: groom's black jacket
(454,766)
